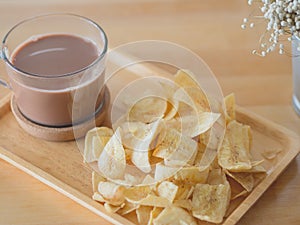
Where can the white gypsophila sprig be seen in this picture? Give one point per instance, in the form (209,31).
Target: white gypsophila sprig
(282,19)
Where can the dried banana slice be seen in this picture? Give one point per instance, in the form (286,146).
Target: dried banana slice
(174,216)
(112,161)
(210,202)
(234,154)
(148,110)
(95,141)
(230,107)
(167,190)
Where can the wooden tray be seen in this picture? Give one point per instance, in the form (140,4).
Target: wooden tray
(60,164)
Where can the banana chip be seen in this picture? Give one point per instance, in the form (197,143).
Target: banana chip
(167,190)
(192,175)
(210,202)
(148,110)
(95,141)
(136,194)
(148,180)
(185,190)
(112,161)
(193,125)
(140,136)
(165,163)
(163,172)
(172,109)
(187,80)
(140,154)
(174,216)
(216,176)
(234,154)
(184,203)
(143,214)
(230,107)
(128,208)
(244,179)
(156,201)
(154,213)
(113,193)
(111,208)
(238,195)
(98,197)
(176,149)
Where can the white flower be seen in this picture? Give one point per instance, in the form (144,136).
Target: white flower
(282,21)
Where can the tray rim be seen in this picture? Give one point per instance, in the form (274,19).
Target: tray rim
(98,209)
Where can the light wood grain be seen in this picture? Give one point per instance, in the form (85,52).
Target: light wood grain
(60,166)
(209,28)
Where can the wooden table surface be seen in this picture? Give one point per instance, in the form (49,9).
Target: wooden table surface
(209,28)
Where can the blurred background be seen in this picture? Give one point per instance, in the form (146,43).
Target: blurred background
(212,29)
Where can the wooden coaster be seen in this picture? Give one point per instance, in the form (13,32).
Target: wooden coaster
(64,133)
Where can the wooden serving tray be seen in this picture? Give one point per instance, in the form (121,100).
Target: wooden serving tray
(60,164)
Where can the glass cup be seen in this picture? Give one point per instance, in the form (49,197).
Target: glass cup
(296,73)
(49,100)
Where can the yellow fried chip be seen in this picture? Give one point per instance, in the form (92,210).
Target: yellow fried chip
(216,176)
(140,154)
(140,136)
(199,155)
(185,190)
(169,89)
(167,190)
(143,214)
(111,192)
(98,197)
(154,213)
(240,194)
(172,108)
(180,137)
(210,138)
(141,161)
(234,155)
(156,201)
(112,161)
(244,179)
(184,203)
(187,80)
(174,216)
(192,174)
(257,169)
(96,179)
(95,141)
(111,208)
(148,180)
(136,194)
(128,208)
(210,202)
(193,125)
(169,143)
(163,172)
(148,109)
(230,107)
(257,163)
(132,133)
(176,149)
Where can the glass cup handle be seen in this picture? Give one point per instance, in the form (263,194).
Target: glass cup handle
(3,82)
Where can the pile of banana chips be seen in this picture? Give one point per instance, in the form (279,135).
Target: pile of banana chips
(166,160)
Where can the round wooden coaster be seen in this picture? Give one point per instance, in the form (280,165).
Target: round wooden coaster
(64,133)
